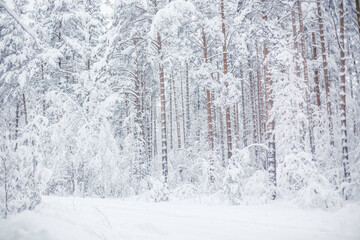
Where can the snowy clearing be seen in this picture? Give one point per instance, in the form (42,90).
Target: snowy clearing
(77,218)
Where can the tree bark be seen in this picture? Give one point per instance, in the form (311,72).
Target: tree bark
(243,111)
(316,72)
(43,80)
(164,157)
(208,98)
(270,135)
(252,99)
(357,3)
(178,132)
(344,138)
(170,116)
(225,66)
(187,105)
(261,121)
(25,109)
(325,71)
(306,80)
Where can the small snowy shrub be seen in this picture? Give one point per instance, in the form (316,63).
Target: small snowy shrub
(256,189)
(157,190)
(234,176)
(18,184)
(185,191)
(301,180)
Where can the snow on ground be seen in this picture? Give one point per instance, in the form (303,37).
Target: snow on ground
(86,219)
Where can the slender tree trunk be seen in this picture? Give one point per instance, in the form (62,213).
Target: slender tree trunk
(306,79)
(260,96)
(140,135)
(17,121)
(176,116)
(208,98)
(298,74)
(170,116)
(221,135)
(357,3)
(270,121)
(183,112)
(215,125)
(326,72)
(187,106)
(127,111)
(236,124)
(252,99)
(243,111)
(25,110)
(155,128)
(225,66)
(344,138)
(316,72)
(164,156)
(44,95)
(16,125)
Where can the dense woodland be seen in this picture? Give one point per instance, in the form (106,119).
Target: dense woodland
(247,101)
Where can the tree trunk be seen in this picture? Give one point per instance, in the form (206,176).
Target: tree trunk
(176,115)
(208,98)
(243,116)
(298,74)
(260,97)
(316,72)
(225,66)
(170,116)
(163,114)
(183,111)
(187,106)
(25,110)
(43,80)
(17,121)
(344,139)
(306,79)
(325,70)
(357,3)
(127,112)
(252,99)
(270,121)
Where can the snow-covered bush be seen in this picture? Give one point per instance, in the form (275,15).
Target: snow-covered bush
(18,183)
(300,180)
(235,176)
(156,190)
(256,189)
(185,191)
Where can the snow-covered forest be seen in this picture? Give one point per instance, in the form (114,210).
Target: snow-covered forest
(242,101)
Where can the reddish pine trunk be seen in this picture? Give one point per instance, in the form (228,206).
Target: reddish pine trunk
(225,66)
(325,70)
(316,72)
(208,98)
(344,139)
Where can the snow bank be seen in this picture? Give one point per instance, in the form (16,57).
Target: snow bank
(76,218)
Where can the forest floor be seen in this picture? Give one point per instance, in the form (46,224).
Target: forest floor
(85,219)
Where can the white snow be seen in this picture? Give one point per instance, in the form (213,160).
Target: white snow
(77,218)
